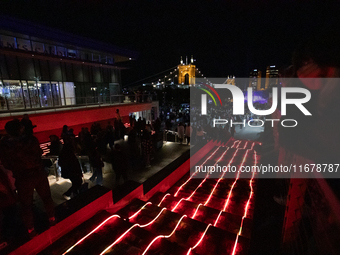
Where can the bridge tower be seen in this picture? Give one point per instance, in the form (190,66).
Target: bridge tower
(186,72)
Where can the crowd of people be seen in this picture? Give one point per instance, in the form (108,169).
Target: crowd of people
(20,156)
(23,169)
(203,125)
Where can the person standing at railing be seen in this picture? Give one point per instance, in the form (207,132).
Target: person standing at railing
(27,124)
(22,155)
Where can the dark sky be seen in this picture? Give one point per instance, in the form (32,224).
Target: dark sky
(226,38)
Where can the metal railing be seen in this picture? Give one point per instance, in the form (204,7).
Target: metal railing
(14,107)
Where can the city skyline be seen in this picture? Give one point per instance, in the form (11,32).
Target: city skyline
(225,38)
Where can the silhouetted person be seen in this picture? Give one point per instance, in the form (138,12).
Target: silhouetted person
(139,126)
(118,117)
(110,135)
(180,132)
(119,162)
(70,169)
(27,124)
(22,155)
(65,132)
(134,153)
(95,129)
(188,132)
(55,146)
(157,125)
(2,102)
(7,206)
(146,145)
(97,165)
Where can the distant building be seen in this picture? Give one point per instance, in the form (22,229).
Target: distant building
(44,67)
(255,79)
(272,77)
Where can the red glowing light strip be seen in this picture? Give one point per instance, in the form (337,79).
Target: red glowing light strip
(233,144)
(199,241)
(168,194)
(245,146)
(158,205)
(203,182)
(133,226)
(195,172)
(236,141)
(246,208)
(193,216)
(192,248)
(208,173)
(252,146)
(197,187)
(239,142)
(101,224)
(231,190)
(162,236)
(173,209)
(117,240)
(211,193)
(135,214)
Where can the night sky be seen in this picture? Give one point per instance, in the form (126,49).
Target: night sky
(225,38)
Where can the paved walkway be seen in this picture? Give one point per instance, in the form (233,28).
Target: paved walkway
(164,156)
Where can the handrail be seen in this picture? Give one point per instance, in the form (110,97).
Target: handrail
(70,103)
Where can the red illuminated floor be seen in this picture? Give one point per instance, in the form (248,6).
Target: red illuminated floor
(195,216)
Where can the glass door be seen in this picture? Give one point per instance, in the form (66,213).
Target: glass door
(26,94)
(55,93)
(45,94)
(34,94)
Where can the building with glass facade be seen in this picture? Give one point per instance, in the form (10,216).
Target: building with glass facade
(42,67)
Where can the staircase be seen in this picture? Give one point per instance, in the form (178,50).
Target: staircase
(195,216)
